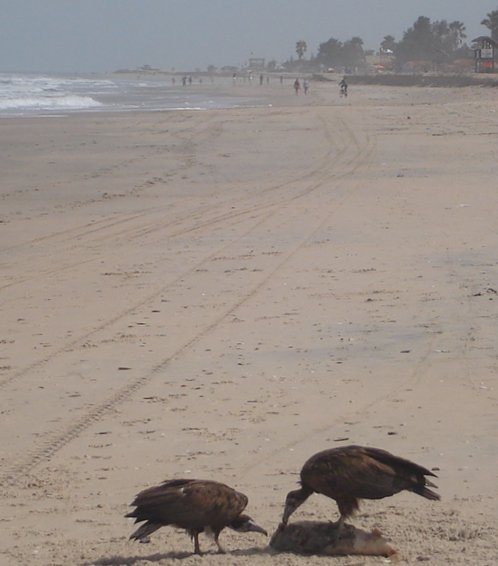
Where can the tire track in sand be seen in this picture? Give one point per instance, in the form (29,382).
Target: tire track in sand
(331,167)
(331,176)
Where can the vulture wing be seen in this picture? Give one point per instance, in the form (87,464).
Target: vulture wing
(189,504)
(363,473)
(396,462)
(406,474)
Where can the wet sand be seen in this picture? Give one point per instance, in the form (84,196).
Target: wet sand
(220,294)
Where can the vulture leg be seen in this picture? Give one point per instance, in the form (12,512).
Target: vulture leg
(221,550)
(347,508)
(340,525)
(195,536)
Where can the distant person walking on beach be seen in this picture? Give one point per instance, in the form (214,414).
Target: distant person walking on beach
(343,85)
(297,86)
(306,86)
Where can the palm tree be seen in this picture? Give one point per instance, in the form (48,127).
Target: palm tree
(388,44)
(491,22)
(301,48)
(448,38)
(458,30)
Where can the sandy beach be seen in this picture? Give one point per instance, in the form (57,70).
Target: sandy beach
(220,294)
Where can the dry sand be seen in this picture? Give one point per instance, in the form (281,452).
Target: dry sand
(221,294)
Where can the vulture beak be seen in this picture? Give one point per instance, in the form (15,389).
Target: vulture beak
(254,528)
(245,524)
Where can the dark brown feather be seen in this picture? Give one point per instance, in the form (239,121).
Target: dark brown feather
(362,473)
(350,473)
(189,504)
(193,505)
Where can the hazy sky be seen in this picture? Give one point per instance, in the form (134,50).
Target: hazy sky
(105,35)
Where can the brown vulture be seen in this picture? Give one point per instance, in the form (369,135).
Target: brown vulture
(194,505)
(350,473)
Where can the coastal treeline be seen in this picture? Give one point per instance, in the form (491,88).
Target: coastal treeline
(437,43)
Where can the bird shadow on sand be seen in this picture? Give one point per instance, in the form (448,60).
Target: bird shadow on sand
(119,560)
(252,551)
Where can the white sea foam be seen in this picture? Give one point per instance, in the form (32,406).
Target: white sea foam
(21,94)
(40,95)
(69,102)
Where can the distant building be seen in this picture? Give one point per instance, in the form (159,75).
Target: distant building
(484,53)
(256,63)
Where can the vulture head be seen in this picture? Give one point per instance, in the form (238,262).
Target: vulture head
(245,524)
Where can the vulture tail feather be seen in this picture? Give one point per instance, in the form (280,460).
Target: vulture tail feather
(144,531)
(427,493)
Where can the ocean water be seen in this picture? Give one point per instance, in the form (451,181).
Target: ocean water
(51,95)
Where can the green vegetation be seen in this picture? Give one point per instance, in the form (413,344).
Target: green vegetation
(301,48)
(491,22)
(431,44)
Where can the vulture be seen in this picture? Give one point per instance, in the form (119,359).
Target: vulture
(194,505)
(350,473)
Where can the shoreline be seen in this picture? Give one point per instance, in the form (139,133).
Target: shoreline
(133,92)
